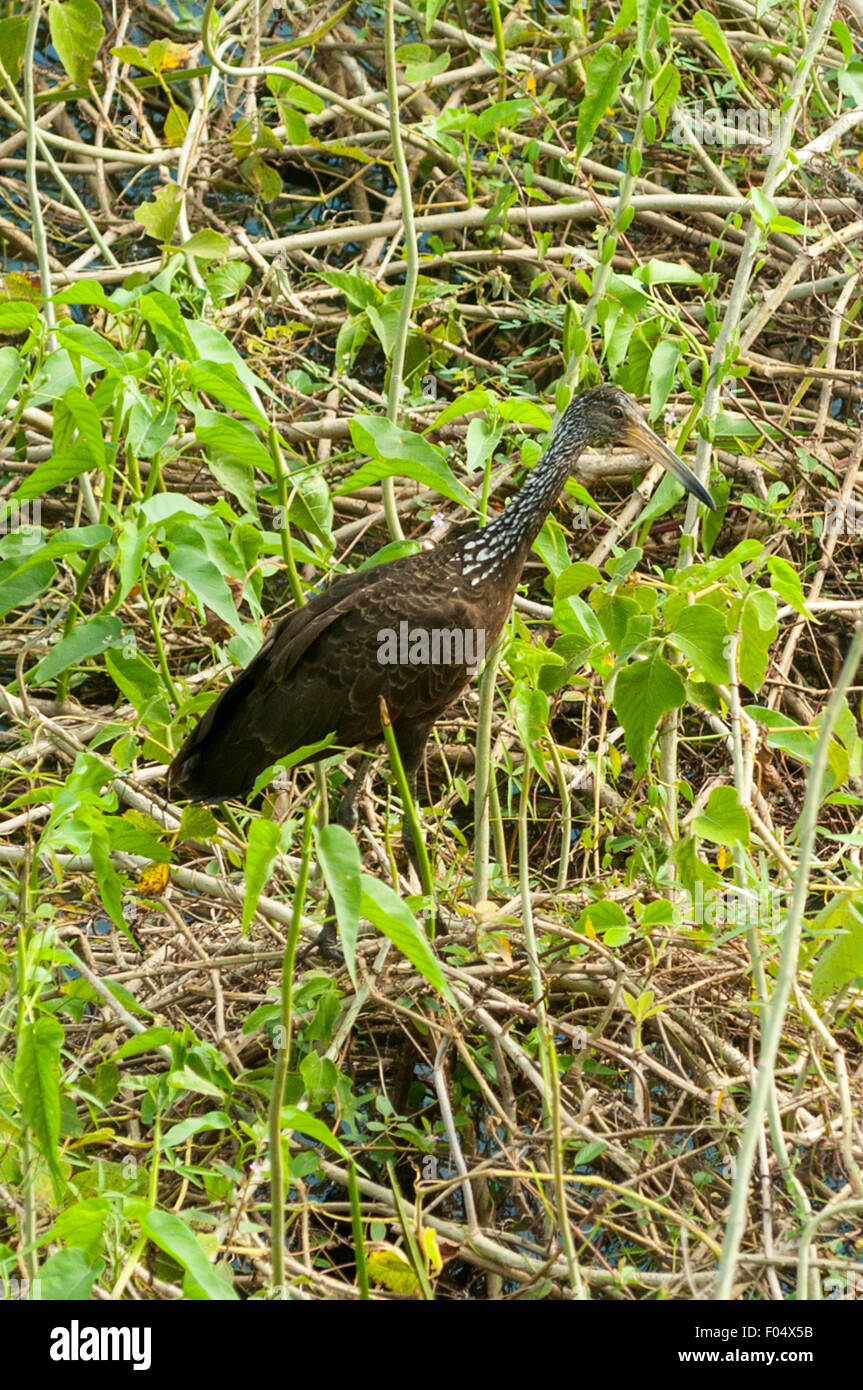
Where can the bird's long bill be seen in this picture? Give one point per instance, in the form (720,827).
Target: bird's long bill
(642,438)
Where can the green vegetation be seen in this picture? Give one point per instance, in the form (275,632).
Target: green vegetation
(289,298)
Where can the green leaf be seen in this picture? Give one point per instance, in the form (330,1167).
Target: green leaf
(264,836)
(758,626)
(168,506)
(785,581)
(27,570)
(197,823)
(357,290)
(521,411)
(84,641)
(159,217)
(657,272)
(235,477)
(68,1276)
(84,342)
(842,33)
(13,41)
(841,960)
(206,582)
(135,675)
(666,90)
(391,915)
(232,437)
(709,29)
(296,126)
(174,1237)
(341,865)
(77,34)
(208,245)
(320,1077)
(221,379)
(464,404)
(784,733)
(385,323)
(663,365)
(504,113)
(723,821)
(573,615)
(17,316)
(530,710)
(179,1133)
(398,452)
(12,369)
(605,912)
(37,1077)
(574,578)
(213,347)
(311,508)
(601,87)
(150,427)
(643,692)
(108,881)
(646,16)
(615,612)
(72,455)
(184,1079)
(850,82)
(304,1123)
(699,634)
(159,1035)
(659,913)
(22,586)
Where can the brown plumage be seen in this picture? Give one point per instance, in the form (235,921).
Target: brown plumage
(320,670)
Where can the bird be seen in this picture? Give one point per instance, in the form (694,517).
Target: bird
(322,670)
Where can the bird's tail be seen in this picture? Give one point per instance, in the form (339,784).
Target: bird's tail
(226,750)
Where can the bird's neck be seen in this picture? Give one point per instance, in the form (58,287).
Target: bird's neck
(508,539)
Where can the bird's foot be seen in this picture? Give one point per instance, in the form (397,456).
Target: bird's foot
(325,943)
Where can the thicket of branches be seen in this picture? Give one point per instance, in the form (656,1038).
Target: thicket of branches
(289,286)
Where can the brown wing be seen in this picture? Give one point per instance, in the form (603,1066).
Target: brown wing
(321,672)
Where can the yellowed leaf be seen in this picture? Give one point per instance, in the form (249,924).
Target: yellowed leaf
(432,1251)
(165,55)
(391,1269)
(496,943)
(153,880)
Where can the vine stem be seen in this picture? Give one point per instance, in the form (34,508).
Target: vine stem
(280,1070)
(38,226)
(772,1033)
(403,180)
(482,777)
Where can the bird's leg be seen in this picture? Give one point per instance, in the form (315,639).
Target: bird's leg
(326,942)
(440,925)
(347,815)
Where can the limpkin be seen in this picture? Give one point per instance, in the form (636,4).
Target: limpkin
(320,672)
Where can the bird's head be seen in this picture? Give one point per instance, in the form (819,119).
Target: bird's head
(605,415)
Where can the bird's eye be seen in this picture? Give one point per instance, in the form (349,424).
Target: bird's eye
(617,412)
